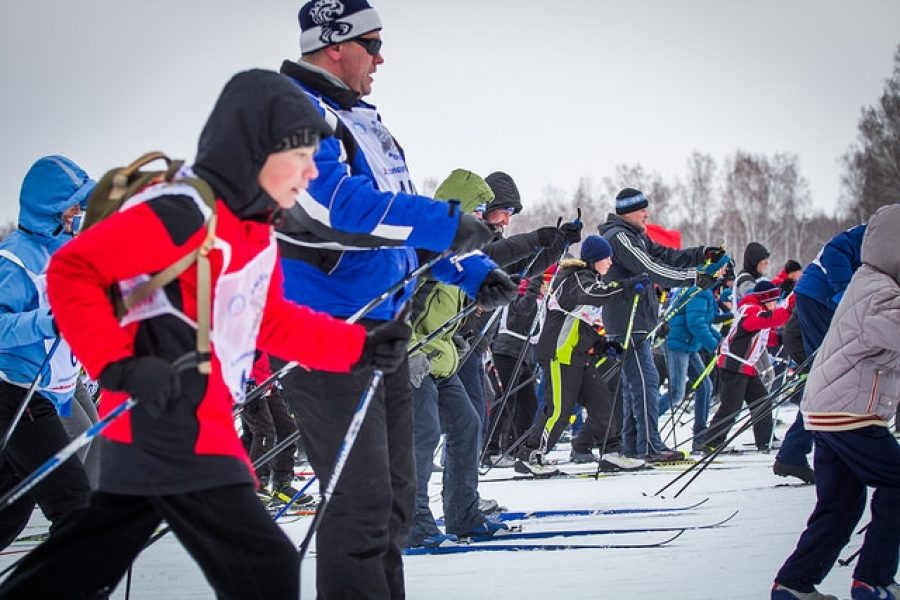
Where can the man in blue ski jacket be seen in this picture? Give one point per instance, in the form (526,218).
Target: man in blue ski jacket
(353,234)
(816,297)
(52,194)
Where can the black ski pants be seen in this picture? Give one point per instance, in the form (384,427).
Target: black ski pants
(360,537)
(269,422)
(737,388)
(36,438)
(241,550)
(510,421)
(565,385)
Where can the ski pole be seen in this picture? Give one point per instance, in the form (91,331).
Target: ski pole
(711,456)
(28,395)
(626,346)
(490,322)
(343,452)
(26,485)
(551,289)
(443,327)
(260,389)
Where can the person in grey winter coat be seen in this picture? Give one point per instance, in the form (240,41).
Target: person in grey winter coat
(850,397)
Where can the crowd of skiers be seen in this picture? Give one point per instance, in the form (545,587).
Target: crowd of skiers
(267,253)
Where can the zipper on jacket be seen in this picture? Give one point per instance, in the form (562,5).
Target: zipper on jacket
(874,395)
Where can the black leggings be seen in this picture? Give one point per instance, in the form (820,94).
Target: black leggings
(36,438)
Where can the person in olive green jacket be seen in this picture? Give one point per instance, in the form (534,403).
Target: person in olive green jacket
(440,402)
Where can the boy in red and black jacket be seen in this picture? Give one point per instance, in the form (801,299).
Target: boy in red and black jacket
(739,381)
(176,456)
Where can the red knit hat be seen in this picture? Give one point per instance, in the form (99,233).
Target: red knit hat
(766,291)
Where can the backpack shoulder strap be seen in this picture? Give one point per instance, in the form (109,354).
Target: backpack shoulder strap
(204,276)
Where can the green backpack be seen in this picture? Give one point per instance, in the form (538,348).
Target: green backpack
(113,189)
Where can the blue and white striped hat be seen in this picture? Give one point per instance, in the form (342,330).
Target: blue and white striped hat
(630,200)
(327,22)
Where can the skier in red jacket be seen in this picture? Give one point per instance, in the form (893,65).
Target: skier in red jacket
(176,456)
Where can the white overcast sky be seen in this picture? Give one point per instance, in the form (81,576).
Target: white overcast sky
(546,90)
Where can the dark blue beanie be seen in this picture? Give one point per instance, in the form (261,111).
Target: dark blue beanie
(595,248)
(630,200)
(327,22)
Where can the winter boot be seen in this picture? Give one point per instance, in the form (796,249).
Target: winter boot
(579,457)
(613,461)
(801,472)
(664,456)
(486,527)
(283,492)
(537,465)
(863,591)
(488,506)
(440,540)
(779,592)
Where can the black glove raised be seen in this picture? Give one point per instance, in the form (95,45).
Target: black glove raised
(148,379)
(496,290)
(385,346)
(706,282)
(713,253)
(548,237)
(638,283)
(571,231)
(471,234)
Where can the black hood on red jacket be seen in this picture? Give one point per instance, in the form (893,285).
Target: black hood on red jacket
(254,115)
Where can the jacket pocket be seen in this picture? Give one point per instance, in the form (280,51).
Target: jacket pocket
(873,395)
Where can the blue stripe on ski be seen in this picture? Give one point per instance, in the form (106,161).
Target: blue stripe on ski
(507,515)
(534,535)
(463,548)
(590,512)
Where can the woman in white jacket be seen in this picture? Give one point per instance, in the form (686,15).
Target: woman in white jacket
(850,398)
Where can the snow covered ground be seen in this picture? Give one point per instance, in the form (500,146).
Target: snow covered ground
(735,561)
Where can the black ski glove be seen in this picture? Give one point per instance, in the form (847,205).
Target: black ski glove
(571,231)
(638,283)
(614,350)
(471,234)
(496,290)
(713,253)
(385,346)
(706,282)
(148,379)
(548,237)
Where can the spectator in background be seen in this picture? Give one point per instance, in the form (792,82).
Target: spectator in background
(756,263)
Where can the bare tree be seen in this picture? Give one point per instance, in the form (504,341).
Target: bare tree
(872,164)
(698,200)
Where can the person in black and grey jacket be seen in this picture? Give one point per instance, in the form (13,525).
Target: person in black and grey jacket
(513,255)
(568,349)
(635,253)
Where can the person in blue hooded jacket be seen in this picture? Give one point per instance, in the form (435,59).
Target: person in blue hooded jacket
(816,297)
(691,330)
(52,194)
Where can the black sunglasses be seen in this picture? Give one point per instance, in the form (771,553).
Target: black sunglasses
(372,45)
